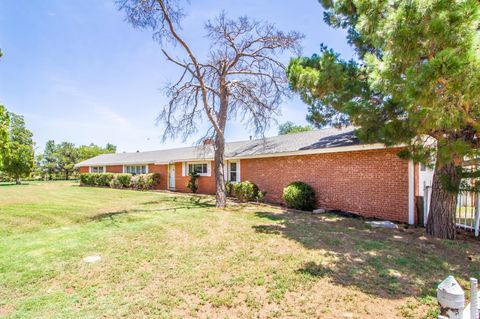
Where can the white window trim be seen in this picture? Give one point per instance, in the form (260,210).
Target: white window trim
(238,171)
(185,168)
(104,168)
(124,169)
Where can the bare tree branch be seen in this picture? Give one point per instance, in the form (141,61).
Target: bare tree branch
(242,74)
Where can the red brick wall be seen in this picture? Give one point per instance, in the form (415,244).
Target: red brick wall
(372,183)
(84,169)
(206,184)
(114,169)
(163,171)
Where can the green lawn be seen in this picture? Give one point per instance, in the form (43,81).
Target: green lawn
(177,256)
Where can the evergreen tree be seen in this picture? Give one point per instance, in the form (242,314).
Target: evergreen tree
(416,81)
(66,157)
(49,161)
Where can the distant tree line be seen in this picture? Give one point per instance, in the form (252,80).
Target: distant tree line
(58,160)
(18,159)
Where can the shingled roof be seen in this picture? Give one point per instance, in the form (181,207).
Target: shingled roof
(269,146)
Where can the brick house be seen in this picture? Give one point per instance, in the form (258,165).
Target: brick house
(366,179)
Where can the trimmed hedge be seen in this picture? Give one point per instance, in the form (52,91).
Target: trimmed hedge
(299,195)
(141,181)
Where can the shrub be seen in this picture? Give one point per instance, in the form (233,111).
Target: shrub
(152,180)
(145,181)
(103,179)
(124,179)
(115,183)
(86,179)
(142,181)
(246,191)
(299,195)
(230,189)
(138,182)
(261,196)
(193,182)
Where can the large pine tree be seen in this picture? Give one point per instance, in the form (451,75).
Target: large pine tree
(415,81)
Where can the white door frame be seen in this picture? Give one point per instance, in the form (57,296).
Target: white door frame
(171,176)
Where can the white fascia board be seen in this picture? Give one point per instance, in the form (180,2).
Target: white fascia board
(115,163)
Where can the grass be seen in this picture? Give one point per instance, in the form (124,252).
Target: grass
(167,256)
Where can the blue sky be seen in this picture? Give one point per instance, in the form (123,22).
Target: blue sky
(79,72)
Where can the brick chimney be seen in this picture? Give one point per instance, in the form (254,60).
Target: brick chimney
(208,141)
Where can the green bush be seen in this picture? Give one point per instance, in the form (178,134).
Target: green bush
(85,179)
(104,179)
(115,183)
(299,195)
(123,179)
(138,182)
(93,179)
(145,181)
(230,189)
(261,196)
(193,182)
(246,191)
(152,180)
(142,181)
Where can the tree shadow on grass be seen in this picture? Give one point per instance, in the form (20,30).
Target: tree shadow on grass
(14,184)
(183,202)
(109,215)
(382,262)
(172,205)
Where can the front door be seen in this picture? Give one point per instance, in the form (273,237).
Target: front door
(171,177)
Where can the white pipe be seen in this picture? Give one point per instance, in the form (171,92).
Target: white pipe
(473,298)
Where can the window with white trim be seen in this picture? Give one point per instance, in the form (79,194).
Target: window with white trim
(233,174)
(135,169)
(199,168)
(97,169)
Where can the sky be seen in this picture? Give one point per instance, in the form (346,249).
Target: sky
(78,72)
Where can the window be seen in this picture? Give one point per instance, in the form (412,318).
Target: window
(233,172)
(199,168)
(136,169)
(97,169)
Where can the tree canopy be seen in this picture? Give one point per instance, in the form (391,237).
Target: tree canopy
(290,128)
(4,129)
(18,157)
(415,81)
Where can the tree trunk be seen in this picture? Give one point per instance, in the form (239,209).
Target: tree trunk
(66,175)
(17,180)
(221,194)
(443,203)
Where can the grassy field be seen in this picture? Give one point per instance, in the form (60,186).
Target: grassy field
(166,255)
